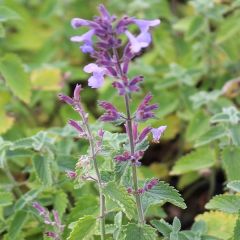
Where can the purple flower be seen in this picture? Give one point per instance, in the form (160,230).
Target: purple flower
(151,184)
(41,210)
(96,80)
(65,99)
(111,113)
(71,174)
(123,157)
(157,133)
(86,38)
(79,22)
(144,134)
(145,111)
(51,235)
(143,40)
(145,25)
(134,84)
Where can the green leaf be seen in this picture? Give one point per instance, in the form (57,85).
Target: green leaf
(7,14)
(16,78)
(225,203)
(219,225)
(2,31)
(27,198)
(162,226)
(86,205)
(234,185)
(198,125)
(194,161)
(235,134)
(118,194)
(231,163)
(83,229)
(16,225)
(162,193)
(213,134)
(133,231)
(60,202)
(237,229)
(42,167)
(6,199)
(196,27)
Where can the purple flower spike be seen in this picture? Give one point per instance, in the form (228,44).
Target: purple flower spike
(96,80)
(145,25)
(145,111)
(111,113)
(78,22)
(143,40)
(157,133)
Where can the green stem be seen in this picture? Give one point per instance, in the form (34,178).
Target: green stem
(99,181)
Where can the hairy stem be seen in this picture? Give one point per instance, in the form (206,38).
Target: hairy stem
(141,219)
(99,181)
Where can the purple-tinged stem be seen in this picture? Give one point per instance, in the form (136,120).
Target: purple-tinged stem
(141,219)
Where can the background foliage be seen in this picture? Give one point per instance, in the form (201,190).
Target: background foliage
(193,71)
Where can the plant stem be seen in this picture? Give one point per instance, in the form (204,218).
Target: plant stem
(99,181)
(134,168)
(141,219)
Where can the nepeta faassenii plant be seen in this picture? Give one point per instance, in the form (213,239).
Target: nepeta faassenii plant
(113,46)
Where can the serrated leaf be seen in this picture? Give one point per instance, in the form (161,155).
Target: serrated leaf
(231,162)
(213,134)
(16,225)
(234,185)
(60,202)
(225,203)
(16,78)
(198,125)
(133,231)
(162,193)
(162,226)
(118,194)
(83,229)
(194,161)
(6,198)
(7,14)
(42,167)
(219,224)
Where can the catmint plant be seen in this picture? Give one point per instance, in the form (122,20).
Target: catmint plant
(54,223)
(113,46)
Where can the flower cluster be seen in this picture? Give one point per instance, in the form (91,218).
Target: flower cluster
(108,31)
(55,223)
